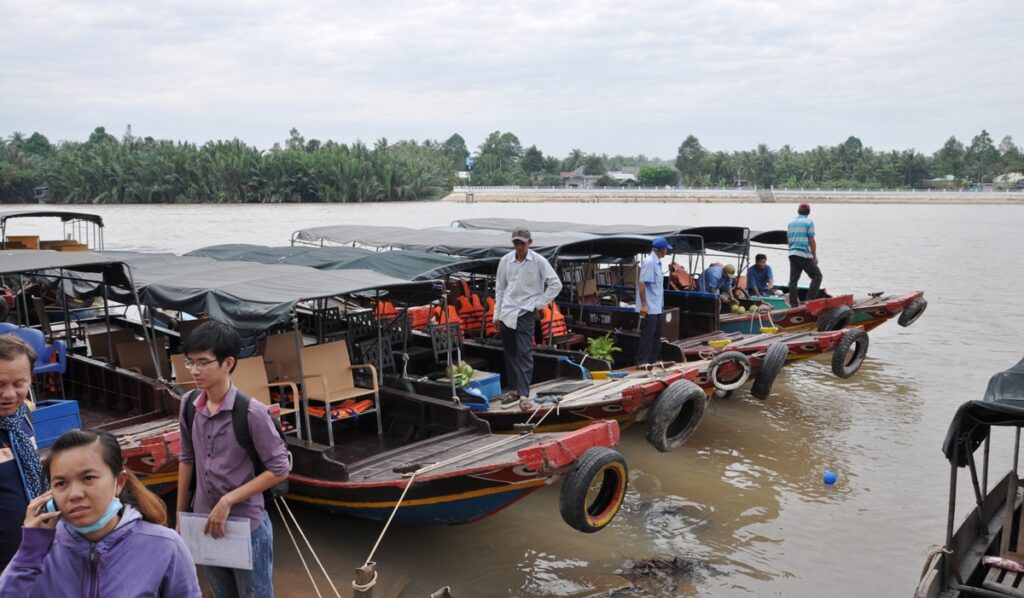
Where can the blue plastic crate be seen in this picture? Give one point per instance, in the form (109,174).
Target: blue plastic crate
(487,383)
(52,418)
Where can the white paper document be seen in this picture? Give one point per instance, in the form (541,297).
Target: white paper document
(234,550)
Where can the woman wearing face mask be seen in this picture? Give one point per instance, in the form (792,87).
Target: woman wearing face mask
(98,531)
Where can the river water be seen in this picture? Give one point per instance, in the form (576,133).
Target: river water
(742,503)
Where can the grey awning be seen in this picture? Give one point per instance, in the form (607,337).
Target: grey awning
(64,215)
(407,265)
(247,295)
(534,226)
(477,244)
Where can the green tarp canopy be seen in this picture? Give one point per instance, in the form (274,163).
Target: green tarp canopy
(247,295)
(406,265)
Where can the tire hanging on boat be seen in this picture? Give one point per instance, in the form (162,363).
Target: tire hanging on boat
(675,415)
(850,353)
(913,312)
(400,383)
(774,359)
(588,513)
(721,359)
(836,318)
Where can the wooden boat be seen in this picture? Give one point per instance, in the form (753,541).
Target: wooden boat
(358,465)
(984,555)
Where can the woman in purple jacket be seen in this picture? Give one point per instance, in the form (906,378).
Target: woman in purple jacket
(98,531)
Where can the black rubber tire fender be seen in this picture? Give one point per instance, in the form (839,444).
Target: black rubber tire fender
(675,415)
(721,359)
(837,318)
(578,509)
(913,312)
(741,293)
(774,360)
(850,353)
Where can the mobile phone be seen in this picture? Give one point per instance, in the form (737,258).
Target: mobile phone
(51,506)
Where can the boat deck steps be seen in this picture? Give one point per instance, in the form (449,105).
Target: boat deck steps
(1008,582)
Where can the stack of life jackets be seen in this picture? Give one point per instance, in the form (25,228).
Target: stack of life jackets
(552,322)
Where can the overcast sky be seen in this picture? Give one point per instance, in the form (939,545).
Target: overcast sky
(611,77)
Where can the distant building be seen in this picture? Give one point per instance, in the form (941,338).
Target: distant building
(624,179)
(575,179)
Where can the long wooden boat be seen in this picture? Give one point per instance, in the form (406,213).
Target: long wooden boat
(466,472)
(984,555)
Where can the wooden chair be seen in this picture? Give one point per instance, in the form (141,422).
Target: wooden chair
(102,343)
(134,355)
(56,329)
(281,358)
(250,376)
(327,375)
(182,375)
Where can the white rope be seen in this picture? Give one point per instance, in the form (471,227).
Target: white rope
(297,551)
(390,518)
(308,545)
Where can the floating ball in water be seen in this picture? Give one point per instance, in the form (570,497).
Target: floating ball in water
(830,477)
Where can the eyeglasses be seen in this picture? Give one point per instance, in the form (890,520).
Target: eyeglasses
(198,363)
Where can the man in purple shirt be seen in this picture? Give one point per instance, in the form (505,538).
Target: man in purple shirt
(225,478)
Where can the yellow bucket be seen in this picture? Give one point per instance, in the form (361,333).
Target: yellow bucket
(720,343)
(770,329)
(599,375)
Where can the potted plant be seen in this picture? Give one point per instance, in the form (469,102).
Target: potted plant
(602,347)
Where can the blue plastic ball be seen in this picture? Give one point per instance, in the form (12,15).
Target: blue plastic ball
(830,477)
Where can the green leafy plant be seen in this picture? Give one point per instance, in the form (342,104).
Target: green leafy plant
(602,347)
(461,373)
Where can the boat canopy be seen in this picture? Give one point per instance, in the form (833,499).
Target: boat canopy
(725,239)
(406,265)
(624,246)
(477,244)
(64,215)
(770,237)
(246,295)
(508,224)
(1002,405)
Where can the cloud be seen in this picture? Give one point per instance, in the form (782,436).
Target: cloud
(602,76)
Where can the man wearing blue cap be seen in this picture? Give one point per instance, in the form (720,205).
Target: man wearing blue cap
(650,302)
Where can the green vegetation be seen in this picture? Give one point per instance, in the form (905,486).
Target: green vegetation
(105,169)
(602,347)
(848,164)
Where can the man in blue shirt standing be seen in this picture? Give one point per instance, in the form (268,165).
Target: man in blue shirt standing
(650,302)
(803,255)
(21,477)
(760,279)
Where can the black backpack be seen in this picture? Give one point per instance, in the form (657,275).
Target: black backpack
(240,423)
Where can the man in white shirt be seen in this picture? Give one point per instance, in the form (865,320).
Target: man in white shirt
(525,283)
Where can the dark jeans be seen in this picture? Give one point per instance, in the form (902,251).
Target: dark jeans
(647,350)
(257,583)
(518,346)
(797,266)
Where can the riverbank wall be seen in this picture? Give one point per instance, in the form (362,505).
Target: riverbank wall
(842,196)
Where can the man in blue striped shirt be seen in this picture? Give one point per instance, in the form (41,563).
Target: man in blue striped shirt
(803,255)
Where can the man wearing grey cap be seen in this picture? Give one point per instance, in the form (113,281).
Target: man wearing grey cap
(525,283)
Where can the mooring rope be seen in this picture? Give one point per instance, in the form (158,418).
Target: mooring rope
(297,551)
(308,545)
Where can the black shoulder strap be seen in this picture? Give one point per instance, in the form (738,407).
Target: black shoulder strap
(190,409)
(240,422)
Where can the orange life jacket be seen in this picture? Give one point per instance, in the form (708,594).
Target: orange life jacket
(471,311)
(552,322)
(385,310)
(419,317)
(437,315)
(489,317)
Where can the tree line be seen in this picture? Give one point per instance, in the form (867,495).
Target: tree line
(105,169)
